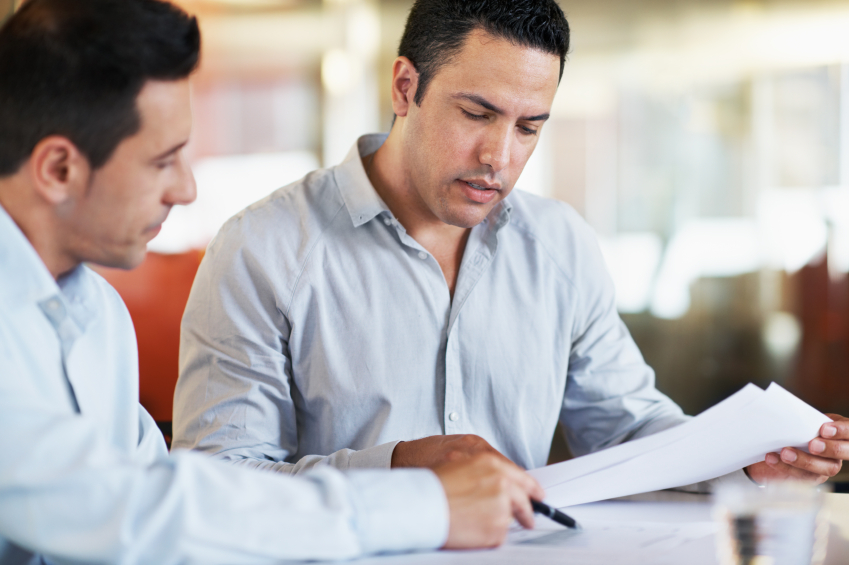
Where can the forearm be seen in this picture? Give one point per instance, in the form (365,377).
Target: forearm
(377,457)
(87,502)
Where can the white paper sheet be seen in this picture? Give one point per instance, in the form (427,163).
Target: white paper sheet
(613,532)
(733,434)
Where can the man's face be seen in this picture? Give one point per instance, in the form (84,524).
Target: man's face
(477,126)
(110,221)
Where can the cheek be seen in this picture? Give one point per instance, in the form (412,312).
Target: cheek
(458,145)
(519,157)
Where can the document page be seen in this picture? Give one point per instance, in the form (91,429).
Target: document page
(733,434)
(656,533)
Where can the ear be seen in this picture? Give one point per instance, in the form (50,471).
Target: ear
(405,80)
(57,169)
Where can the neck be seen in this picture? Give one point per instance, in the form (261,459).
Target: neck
(390,175)
(37,220)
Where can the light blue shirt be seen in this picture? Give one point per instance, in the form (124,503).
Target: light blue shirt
(85,476)
(319,332)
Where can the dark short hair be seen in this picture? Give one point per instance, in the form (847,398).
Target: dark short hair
(75,68)
(436,30)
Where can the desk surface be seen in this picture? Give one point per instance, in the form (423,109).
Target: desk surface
(656,528)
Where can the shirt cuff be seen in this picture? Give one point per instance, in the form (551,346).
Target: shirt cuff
(377,457)
(405,510)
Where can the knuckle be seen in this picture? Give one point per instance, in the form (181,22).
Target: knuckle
(804,462)
(485,459)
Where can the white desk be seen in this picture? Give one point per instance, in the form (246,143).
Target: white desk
(657,529)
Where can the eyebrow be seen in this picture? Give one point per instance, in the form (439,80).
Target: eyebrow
(170,151)
(480,101)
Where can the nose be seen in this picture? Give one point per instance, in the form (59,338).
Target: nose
(495,151)
(184,191)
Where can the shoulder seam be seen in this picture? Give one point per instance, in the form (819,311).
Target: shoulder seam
(308,255)
(527,231)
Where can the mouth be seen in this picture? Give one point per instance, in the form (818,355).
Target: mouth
(480,192)
(154,229)
(482,185)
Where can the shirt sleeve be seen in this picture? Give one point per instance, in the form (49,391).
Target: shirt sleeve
(610,394)
(235,397)
(66,493)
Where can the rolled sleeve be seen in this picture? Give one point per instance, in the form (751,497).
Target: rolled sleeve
(377,457)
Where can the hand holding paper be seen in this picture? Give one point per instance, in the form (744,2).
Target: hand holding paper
(824,458)
(732,435)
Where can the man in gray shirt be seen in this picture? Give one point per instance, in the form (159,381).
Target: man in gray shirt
(407,306)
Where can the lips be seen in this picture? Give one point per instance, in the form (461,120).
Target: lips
(480,192)
(157,227)
(153,231)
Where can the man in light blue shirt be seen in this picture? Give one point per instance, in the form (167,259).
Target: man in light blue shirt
(407,304)
(94,112)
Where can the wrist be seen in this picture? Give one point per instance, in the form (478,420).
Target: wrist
(397,456)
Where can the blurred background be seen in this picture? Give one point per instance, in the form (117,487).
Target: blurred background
(706,142)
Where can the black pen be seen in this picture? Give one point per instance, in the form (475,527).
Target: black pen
(554,514)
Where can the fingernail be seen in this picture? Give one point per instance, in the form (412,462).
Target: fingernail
(788,455)
(829,431)
(817,446)
(771,458)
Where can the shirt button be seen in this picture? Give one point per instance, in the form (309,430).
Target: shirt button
(422,255)
(53,304)
(387,221)
(453,416)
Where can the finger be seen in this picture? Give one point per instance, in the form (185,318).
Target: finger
(783,471)
(830,449)
(813,464)
(839,429)
(522,509)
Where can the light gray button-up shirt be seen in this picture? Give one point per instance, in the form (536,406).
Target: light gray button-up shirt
(319,332)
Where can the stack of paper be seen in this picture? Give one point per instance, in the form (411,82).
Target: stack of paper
(733,434)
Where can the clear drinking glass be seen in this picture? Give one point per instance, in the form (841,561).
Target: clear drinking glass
(780,524)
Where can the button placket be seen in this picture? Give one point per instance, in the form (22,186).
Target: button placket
(453,385)
(481,254)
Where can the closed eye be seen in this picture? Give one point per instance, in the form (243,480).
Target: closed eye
(164,164)
(472,116)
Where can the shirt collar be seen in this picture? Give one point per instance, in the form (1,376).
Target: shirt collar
(26,277)
(360,197)
(31,281)
(500,215)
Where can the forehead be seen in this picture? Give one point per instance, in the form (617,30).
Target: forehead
(165,111)
(502,72)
